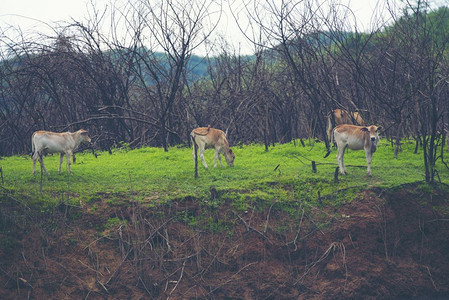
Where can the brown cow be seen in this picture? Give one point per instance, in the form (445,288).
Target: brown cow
(355,138)
(343,117)
(44,142)
(207,137)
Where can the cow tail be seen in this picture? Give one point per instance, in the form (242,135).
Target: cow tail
(192,137)
(32,144)
(195,150)
(329,126)
(329,134)
(331,142)
(332,138)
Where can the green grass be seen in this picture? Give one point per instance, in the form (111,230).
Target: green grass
(152,176)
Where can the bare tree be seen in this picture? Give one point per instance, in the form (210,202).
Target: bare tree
(432,85)
(304,36)
(175,29)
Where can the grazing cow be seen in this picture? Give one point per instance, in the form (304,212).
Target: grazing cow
(355,138)
(207,137)
(342,117)
(44,142)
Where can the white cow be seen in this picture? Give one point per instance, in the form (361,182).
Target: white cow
(44,142)
(206,137)
(355,138)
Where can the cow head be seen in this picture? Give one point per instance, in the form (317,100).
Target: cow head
(230,156)
(373,132)
(84,135)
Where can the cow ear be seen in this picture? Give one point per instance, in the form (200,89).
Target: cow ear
(364,129)
(379,128)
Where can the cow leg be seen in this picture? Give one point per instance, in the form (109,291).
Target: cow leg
(217,155)
(68,156)
(202,155)
(340,158)
(369,157)
(61,157)
(219,158)
(34,157)
(41,160)
(343,159)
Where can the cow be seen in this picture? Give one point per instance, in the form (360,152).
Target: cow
(342,117)
(44,142)
(207,137)
(355,138)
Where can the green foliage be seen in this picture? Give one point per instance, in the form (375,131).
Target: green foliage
(151,176)
(114,223)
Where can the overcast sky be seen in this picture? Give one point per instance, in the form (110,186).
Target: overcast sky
(31,15)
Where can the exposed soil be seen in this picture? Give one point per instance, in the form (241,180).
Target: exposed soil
(385,244)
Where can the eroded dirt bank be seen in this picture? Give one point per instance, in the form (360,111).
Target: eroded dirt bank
(385,244)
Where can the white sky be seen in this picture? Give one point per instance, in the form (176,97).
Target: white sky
(31,15)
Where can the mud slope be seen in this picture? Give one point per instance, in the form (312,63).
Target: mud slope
(385,244)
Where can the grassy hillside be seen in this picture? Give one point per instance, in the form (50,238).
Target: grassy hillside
(137,224)
(152,176)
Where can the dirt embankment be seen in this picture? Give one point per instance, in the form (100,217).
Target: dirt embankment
(382,245)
